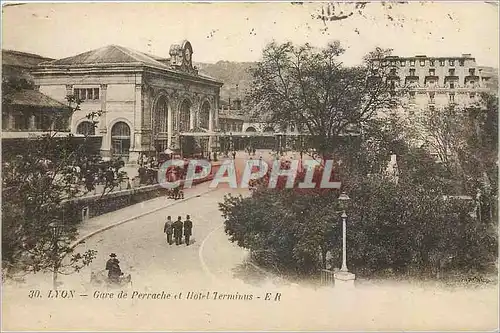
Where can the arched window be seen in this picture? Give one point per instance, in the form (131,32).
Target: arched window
(250,129)
(120,130)
(268,129)
(120,139)
(185,116)
(160,116)
(86,128)
(160,124)
(205,116)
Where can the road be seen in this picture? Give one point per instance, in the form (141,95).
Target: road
(143,252)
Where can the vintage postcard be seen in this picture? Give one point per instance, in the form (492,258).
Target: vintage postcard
(237,166)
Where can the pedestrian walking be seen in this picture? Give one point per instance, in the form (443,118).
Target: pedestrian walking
(177,225)
(168,230)
(234,155)
(188,229)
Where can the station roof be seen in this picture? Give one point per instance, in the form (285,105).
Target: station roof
(115,55)
(33,98)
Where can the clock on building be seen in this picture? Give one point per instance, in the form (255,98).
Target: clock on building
(187,55)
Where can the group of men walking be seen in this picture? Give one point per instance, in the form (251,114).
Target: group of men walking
(176,229)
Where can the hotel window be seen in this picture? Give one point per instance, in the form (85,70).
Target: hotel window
(461,62)
(412,72)
(393,71)
(451,72)
(412,96)
(422,62)
(432,107)
(452,62)
(412,62)
(441,62)
(432,72)
(452,98)
(86,93)
(403,63)
(393,62)
(452,85)
(431,62)
(472,71)
(472,95)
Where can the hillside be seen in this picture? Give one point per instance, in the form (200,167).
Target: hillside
(232,74)
(237,73)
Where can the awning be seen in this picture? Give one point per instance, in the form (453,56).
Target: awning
(35,99)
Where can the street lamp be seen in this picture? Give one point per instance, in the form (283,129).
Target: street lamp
(344,198)
(56,229)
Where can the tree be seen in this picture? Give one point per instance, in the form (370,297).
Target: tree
(408,227)
(39,184)
(311,89)
(465,141)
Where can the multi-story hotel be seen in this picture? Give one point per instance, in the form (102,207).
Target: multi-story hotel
(435,82)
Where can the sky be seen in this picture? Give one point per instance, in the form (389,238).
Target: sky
(239,31)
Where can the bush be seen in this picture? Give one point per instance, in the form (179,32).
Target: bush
(398,227)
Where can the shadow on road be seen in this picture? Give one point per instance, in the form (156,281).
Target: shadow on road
(249,274)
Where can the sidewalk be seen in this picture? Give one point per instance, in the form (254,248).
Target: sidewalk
(105,221)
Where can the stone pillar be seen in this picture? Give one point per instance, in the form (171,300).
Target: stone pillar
(102,126)
(102,118)
(69,89)
(136,132)
(32,123)
(169,125)
(11,122)
(192,115)
(210,128)
(216,110)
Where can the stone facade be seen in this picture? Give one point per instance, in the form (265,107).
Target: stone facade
(145,102)
(437,81)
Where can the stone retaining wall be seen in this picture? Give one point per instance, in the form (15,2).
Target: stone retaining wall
(81,209)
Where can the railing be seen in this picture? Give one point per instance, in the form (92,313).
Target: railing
(326,278)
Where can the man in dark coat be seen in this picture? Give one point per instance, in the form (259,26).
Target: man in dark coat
(188,229)
(177,225)
(113,268)
(168,230)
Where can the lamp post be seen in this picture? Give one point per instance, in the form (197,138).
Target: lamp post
(55,229)
(344,198)
(344,278)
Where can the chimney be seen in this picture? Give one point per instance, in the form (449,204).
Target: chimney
(466,55)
